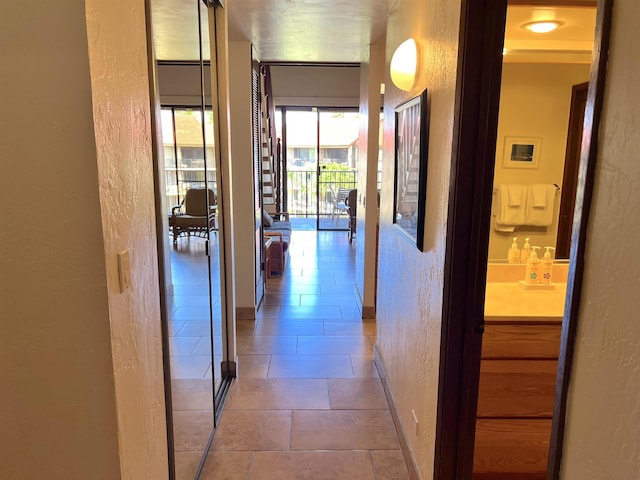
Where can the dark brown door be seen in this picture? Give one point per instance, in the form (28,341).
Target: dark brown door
(571,163)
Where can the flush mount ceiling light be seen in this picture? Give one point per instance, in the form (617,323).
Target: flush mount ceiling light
(544,26)
(404,64)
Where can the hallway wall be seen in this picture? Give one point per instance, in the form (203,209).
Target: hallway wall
(122,125)
(58,404)
(371,76)
(603,420)
(411,282)
(82,394)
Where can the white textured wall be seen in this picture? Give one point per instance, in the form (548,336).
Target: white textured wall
(57,405)
(371,76)
(410,282)
(242,155)
(603,420)
(180,84)
(535,101)
(316,86)
(121,110)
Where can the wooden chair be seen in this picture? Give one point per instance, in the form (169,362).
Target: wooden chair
(193,216)
(351,203)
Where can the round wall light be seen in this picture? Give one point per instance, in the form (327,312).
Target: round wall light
(545,26)
(404,65)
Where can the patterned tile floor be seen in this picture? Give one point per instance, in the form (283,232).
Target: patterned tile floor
(307,403)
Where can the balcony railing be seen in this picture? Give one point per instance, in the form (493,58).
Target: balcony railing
(178,181)
(303,187)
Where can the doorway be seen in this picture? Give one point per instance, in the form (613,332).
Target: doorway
(321,163)
(479,82)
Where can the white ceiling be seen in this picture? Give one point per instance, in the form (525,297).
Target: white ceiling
(338,31)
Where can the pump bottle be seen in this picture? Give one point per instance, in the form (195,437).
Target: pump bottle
(526,251)
(546,267)
(532,272)
(514,252)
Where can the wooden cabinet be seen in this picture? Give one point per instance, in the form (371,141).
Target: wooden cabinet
(515,399)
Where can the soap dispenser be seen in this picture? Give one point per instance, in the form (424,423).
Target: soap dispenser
(532,272)
(514,252)
(526,251)
(546,267)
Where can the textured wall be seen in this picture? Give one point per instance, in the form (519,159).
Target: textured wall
(242,154)
(316,86)
(603,421)
(57,406)
(371,76)
(410,282)
(121,110)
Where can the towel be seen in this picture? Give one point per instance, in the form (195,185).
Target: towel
(539,195)
(540,205)
(509,216)
(516,194)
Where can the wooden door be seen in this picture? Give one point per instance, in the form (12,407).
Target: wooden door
(571,164)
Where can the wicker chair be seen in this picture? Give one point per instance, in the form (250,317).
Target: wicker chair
(193,216)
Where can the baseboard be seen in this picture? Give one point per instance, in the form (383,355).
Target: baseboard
(368,313)
(245,313)
(402,436)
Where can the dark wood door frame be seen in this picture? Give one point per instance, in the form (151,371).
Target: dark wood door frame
(584,194)
(471,189)
(571,166)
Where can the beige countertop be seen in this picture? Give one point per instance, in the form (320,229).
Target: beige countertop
(509,301)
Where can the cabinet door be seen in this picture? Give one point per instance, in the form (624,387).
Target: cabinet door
(521,341)
(517,388)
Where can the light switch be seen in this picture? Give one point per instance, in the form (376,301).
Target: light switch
(124,270)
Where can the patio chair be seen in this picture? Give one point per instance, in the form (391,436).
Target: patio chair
(351,203)
(340,206)
(193,216)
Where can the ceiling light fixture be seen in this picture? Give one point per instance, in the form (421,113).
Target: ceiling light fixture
(404,65)
(544,26)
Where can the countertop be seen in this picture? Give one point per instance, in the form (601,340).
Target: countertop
(509,301)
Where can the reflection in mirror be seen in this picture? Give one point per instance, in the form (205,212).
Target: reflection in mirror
(539,113)
(191,197)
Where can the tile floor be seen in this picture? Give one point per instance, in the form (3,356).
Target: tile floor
(307,403)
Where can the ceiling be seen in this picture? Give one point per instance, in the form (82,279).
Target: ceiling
(338,31)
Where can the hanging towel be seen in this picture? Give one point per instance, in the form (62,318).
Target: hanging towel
(540,205)
(539,195)
(508,216)
(517,194)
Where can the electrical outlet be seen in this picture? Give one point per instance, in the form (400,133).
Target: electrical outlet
(124,270)
(415,420)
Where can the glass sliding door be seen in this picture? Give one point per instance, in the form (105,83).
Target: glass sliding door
(301,126)
(321,164)
(339,131)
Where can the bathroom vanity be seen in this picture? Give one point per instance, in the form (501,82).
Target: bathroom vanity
(517,374)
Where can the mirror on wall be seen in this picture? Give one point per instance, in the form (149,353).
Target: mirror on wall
(539,130)
(191,176)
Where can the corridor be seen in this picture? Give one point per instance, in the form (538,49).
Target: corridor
(308,402)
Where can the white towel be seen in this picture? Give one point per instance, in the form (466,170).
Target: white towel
(539,195)
(517,195)
(536,215)
(508,216)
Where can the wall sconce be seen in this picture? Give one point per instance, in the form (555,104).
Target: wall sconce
(404,65)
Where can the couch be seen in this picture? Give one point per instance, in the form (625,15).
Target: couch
(277,228)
